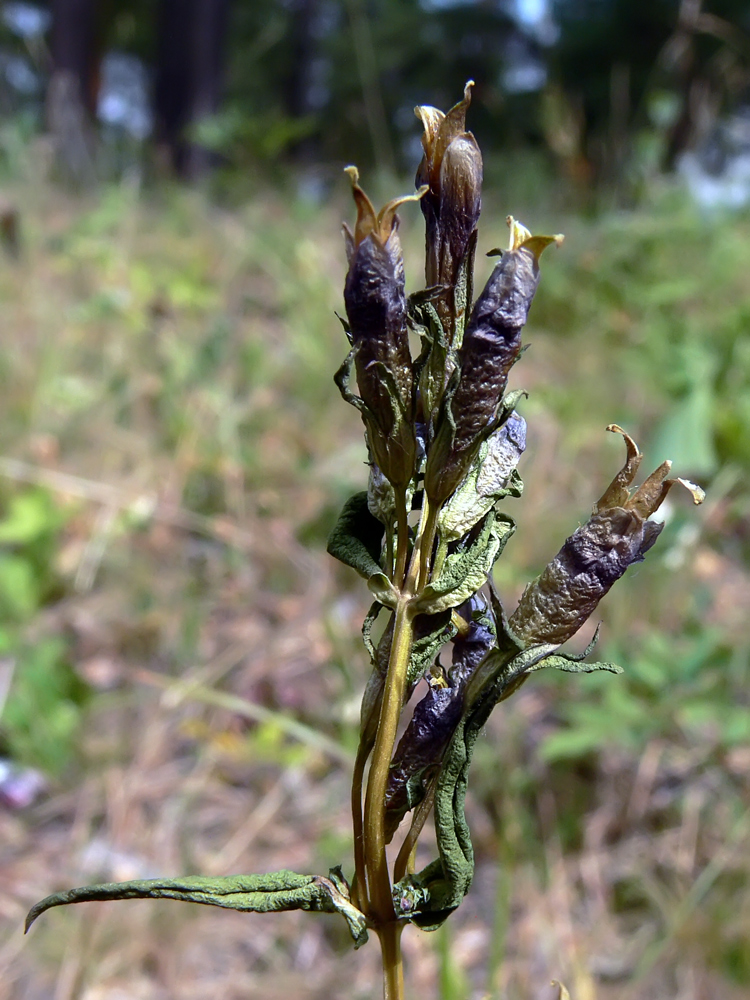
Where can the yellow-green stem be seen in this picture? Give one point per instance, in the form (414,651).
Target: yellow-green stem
(440,554)
(393,970)
(429,521)
(359,885)
(405,857)
(374,824)
(402,523)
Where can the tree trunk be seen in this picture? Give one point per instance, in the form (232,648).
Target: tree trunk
(191,36)
(72,92)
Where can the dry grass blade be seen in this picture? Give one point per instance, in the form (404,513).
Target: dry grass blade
(698,891)
(250,710)
(118,499)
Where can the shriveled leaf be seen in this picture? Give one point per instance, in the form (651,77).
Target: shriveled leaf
(282,890)
(572,665)
(381,497)
(357,537)
(343,380)
(441,886)
(437,361)
(420,750)
(356,541)
(383,590)
(466,571)
(367,626)
(491,477)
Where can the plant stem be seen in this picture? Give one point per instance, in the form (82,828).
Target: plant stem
(440,554)
(374,826)
(429,522)
(393,969)
(405,855)
(402,521)
(359,886)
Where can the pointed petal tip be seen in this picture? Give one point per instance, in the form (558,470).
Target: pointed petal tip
(518,233)
(617,493)
(520,236)
(698,494)
(538,244)
(629,442)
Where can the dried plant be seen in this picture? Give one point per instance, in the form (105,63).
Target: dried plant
(444,440)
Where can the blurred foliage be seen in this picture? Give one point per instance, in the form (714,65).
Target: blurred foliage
(613,90)
(40,720)
(692,689)
(667,290)
(610,92)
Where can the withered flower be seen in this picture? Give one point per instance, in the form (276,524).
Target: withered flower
(618,534)
(376,309)
(452,169)
(491,345)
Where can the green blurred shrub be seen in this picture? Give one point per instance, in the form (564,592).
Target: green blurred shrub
(689,689)
(42,714)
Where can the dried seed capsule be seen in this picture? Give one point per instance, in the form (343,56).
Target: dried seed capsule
(618,534)
(376,309)
(491,345)
(452,168)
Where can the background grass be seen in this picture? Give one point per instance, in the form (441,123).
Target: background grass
(172,455)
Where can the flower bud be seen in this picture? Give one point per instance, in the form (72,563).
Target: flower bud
(491,345)
(452,168)
(618,534)
(376,309)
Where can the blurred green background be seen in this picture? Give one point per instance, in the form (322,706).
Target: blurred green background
(173,454)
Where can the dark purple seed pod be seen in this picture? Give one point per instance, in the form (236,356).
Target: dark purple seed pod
(491,345)
(421,748)
(452,169)
(618,534)
(376,309)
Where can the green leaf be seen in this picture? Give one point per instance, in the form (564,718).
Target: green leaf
(573,665)
(466,571)
(41,719)
(356,541)
(480,490)
(569,744)
(19,587)
(30,515)
(282,890)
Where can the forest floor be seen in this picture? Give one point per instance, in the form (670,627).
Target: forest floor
(173,453)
